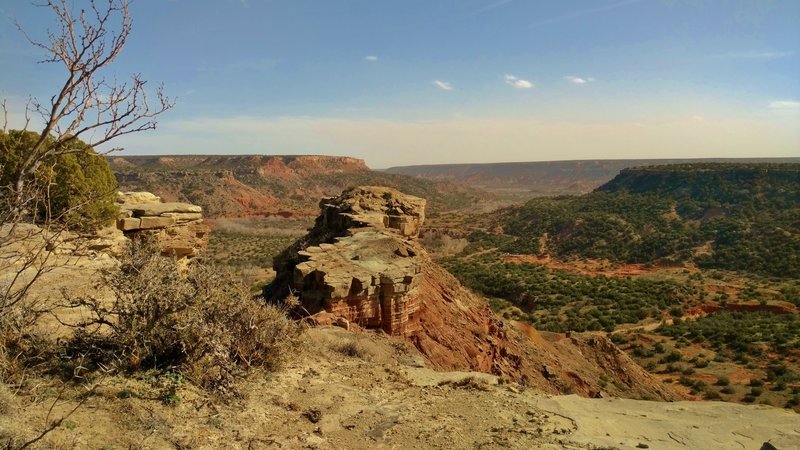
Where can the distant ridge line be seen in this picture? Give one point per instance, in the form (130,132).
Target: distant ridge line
(778,159)
(521,180)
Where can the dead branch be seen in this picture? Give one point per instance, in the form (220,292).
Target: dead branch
(87,104)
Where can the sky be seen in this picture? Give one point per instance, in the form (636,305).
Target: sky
(449,81)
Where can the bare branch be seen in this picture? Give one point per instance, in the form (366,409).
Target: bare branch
(87,105)
(5,116)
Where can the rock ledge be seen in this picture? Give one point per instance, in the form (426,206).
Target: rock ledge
(177,228)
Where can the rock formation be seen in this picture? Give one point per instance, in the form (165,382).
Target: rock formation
(359,264)
(363,265)
(177,228)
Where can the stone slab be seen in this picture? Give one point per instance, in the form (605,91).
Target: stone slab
(157,209)
(137,198)
(156,222)
(183,217)
(129,223)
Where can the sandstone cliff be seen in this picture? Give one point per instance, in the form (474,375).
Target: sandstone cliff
(362,266)
(265,185)
(177,228)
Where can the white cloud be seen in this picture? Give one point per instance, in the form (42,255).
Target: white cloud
(578,80)
(443,85)
(752,55)
(784,104)
(518,82)
(371,58)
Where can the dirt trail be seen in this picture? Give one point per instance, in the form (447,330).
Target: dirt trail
(592,266)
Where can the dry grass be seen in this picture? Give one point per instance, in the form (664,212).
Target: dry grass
(471,383)
(352,349)
(8,402)
(194,319)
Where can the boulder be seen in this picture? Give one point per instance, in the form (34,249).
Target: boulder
(177,228)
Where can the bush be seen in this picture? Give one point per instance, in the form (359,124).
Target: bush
(78,189)
(195,319)
(673,356)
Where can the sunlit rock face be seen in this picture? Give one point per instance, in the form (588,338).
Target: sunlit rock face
(177,228)
(361,261)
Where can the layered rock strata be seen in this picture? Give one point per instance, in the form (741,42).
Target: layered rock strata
(359,264)
(176,228)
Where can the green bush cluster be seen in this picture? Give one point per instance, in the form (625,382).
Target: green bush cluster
(77,188)
(750,214)
(561,301)
(740,333)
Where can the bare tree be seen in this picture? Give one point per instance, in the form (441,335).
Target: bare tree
(87,106)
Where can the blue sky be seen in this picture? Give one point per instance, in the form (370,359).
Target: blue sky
(437,81)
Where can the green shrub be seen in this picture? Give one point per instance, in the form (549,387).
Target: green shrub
(673,356)
(76,188)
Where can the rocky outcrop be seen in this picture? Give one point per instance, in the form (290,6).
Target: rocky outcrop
(362,266)
(359,264)
(176,228)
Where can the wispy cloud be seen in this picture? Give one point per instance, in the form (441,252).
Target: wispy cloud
(582,12)
(752,55)
(245,3)
(491,6)
(518,83)
(445,85)
(371,58)
(578,80)
(784,104)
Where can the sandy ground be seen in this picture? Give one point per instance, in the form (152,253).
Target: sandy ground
(627,423)
(366,391)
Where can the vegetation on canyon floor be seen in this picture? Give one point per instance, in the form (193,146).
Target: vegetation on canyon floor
(701,258)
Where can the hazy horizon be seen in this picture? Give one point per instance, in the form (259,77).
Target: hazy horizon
(791,159)
(436,82)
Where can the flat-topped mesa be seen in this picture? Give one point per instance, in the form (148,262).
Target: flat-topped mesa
(177,228)
(359,262)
